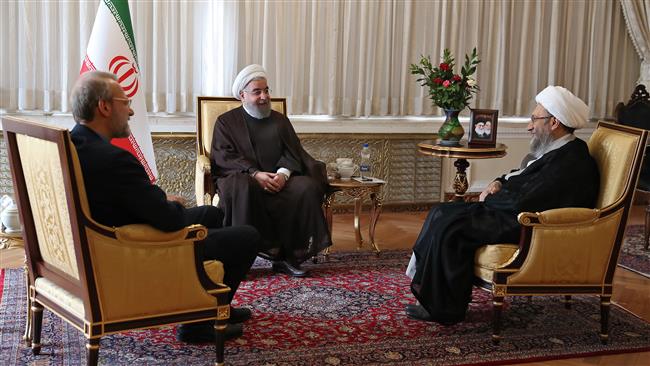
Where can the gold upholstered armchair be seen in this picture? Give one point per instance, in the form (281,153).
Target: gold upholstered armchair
(208,109)
(570,251)
(100,279)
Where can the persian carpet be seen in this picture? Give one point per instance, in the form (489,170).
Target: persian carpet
(633,256)
(349,312)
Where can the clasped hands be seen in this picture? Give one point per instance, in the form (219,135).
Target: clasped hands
(492,188)
(271,182)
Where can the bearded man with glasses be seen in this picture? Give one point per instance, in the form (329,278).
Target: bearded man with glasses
(558,172)
(266,179)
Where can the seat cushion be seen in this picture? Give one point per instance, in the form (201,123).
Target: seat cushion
(491,257)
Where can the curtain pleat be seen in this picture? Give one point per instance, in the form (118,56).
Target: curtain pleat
(338,58)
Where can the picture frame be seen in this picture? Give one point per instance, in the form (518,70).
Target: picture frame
(483,127)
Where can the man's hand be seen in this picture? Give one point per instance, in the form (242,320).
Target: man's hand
(281,179)
(270,182)
(175,198)
(492,188)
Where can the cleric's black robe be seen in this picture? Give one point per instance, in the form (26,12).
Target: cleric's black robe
(292,217)
(452,232)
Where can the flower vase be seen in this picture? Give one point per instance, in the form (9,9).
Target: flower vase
(451,131)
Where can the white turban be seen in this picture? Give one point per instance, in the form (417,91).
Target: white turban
(245,76)
(570,110)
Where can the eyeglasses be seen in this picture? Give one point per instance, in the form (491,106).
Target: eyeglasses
(127,100)
(258,92)
(534,118)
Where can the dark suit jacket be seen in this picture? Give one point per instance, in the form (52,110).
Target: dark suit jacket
(118,189)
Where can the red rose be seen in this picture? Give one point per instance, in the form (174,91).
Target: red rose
(444,66)
(457,77)
(446,83)
(437,81)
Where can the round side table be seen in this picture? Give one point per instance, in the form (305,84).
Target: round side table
(461,153)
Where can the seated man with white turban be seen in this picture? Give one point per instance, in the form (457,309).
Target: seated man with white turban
(266,179)
(558,172)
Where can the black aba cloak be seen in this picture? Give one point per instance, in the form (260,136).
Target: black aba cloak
(292,217)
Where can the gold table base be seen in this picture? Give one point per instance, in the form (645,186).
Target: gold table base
(357,191)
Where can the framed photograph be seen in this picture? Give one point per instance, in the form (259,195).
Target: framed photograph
(483,127)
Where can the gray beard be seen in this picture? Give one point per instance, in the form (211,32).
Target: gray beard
(256,111)
(539,144)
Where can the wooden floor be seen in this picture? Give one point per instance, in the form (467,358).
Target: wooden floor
(399,231)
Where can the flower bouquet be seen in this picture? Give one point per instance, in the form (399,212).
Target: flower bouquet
(448,90)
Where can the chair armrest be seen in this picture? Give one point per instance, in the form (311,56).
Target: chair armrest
(148,235)
(146,271)
(559,216)
(566,246)
(202,173)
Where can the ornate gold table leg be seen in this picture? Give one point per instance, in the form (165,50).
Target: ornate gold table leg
(375,210)
(357,221)
(328,217)
(460,180)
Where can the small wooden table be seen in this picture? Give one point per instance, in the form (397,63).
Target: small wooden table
(461,153)
(357,191)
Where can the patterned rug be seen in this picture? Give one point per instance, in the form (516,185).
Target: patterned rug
(633,256)
(350,312)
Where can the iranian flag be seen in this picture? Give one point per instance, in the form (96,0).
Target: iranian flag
(111,48)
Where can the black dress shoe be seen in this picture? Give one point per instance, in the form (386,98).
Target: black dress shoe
(417,312)
(204,332)
(239,315)
(289,269)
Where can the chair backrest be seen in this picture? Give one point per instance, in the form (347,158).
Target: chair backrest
(618,151)
(50,195)
(210,108)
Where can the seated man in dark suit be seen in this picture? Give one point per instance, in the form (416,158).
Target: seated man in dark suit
(120,193)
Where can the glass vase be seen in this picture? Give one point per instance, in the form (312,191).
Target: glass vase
(451,131)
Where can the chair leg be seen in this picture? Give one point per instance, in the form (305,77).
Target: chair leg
(27,336)
(646,227)
(497,306)
(220,339)
(92,345)
(567,302)
(604,318)
(37,323)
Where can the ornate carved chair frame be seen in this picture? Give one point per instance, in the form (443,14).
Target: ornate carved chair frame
(570,251)
(100,279)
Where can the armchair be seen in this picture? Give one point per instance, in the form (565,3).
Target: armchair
(208,110)
(100,279)
(636,113)
(570,251)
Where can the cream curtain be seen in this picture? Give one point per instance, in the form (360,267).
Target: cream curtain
(637,17)
(339,58)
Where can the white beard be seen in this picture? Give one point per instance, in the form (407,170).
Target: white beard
(540,143)
(257,111)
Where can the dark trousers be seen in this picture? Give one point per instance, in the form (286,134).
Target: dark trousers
(236,247)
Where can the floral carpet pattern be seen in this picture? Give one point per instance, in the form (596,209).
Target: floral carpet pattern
(633,256)
(349,312)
